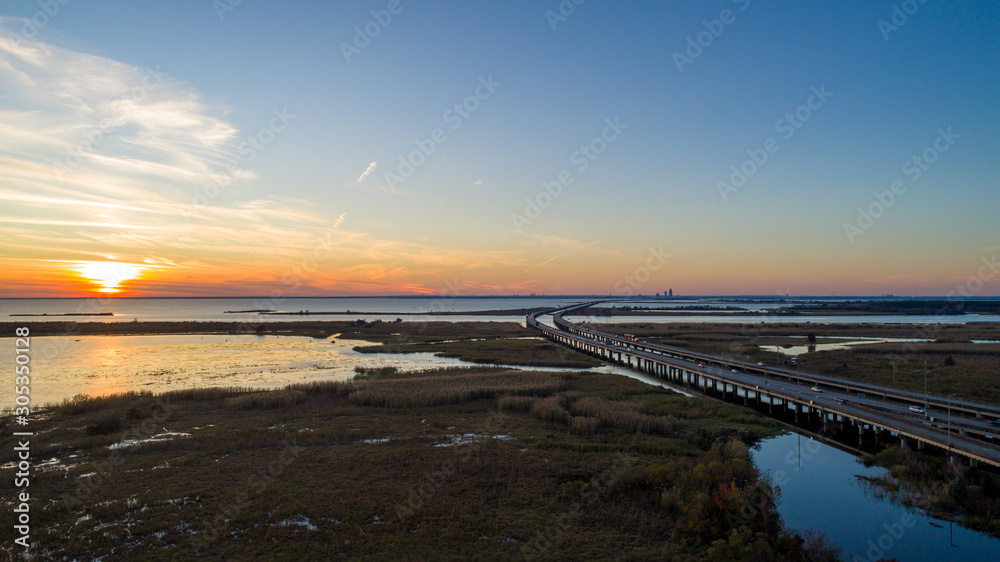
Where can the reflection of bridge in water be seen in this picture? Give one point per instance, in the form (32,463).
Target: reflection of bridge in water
(876,414)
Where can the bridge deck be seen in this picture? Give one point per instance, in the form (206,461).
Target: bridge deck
(840,399)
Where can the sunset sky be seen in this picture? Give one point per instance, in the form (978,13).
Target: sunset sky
(337,148)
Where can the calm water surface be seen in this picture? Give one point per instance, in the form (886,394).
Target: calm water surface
(373,308)
(820,490)
(64,366)
(213,309)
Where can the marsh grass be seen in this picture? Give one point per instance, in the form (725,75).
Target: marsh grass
(551,409)
(455,389)
(583,425)
(266,400)
(516,403)
(626,416)
(157,497)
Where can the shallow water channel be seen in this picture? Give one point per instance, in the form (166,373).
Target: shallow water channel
(820,490)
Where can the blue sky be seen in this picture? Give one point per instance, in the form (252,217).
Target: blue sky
(461,216)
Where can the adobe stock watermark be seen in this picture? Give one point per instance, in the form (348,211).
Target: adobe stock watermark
(49,10)
(455,116)
(256,486)
(563,11)
(914,169)
(971,287)
(696,44)
(545,538)
(93,138)
(105,468)
(300,272)
(248,150)
(223,7)
(581,159)
(296,275)
(364,34)
(424,492)
(975,283)
(642,274)
(786,127)
(900,16)
(879,547)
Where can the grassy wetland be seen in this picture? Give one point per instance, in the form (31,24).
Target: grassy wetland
(482,461)
(454,463)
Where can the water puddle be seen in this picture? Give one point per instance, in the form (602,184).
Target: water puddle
(796,350)
(166,436)
(465,438)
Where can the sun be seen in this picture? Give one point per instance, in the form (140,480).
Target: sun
(109,276)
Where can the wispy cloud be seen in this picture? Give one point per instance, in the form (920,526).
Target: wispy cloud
(557,256)
(366,173)
(98,158)
(74,111)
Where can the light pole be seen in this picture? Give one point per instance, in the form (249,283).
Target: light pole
(949,421)
(925,386)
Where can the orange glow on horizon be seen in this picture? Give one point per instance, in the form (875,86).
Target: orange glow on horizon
(109,276)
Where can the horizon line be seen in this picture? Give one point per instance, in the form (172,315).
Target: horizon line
(531,296)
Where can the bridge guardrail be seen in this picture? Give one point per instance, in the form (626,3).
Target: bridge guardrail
(567,328)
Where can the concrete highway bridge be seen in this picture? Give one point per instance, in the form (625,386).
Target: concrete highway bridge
(877,414)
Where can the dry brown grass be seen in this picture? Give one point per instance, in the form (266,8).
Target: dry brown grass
(158,500)
(623,415)
(266,400)
(583,425)
(516,403)
(551,409)
(442,390)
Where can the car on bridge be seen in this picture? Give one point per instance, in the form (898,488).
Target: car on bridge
(917,410)
(816,389)
(735,370)
(700,365)
(761,364)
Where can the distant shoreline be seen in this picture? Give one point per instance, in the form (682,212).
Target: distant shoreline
(650,298)
(306,328)
(511,312)
(68,314)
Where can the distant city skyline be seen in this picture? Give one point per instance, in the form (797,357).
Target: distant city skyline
(391,147)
